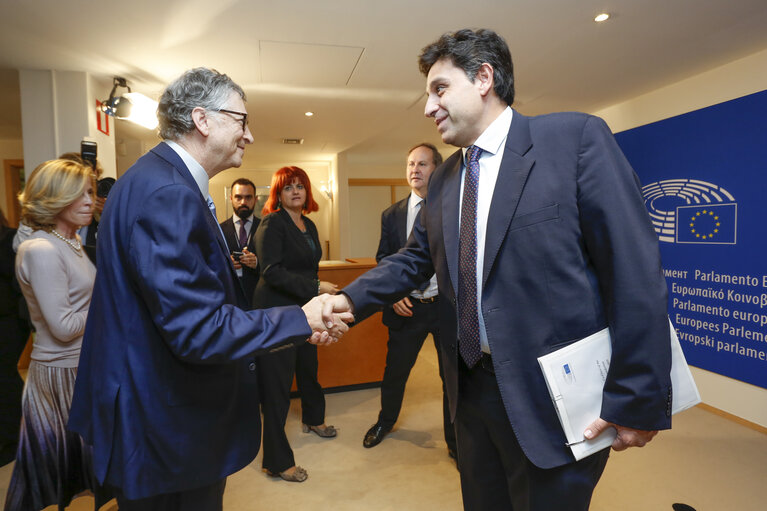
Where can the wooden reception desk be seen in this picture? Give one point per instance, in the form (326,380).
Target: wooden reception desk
(358,359)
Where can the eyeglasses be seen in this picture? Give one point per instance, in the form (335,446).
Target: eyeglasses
(244,115)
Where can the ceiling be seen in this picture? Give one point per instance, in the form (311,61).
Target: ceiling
(353,62)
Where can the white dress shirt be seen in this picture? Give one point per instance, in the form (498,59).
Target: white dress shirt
(413,207)
(492,142)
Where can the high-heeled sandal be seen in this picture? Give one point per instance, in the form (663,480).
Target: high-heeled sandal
(299,475)
(324,432)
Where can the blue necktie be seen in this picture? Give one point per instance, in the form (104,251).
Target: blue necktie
(468,314)
(212,208)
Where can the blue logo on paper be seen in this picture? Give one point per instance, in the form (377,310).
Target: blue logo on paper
(692,211)
(568,373)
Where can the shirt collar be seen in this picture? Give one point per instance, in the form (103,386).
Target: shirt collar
(237,219)
(198,173)
(413,200)
(491,140)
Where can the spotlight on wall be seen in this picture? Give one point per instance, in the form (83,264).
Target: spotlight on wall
(327,189)
(131,106)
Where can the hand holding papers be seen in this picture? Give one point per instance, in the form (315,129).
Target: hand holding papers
(575,377)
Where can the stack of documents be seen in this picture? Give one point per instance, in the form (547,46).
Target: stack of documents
(575,376)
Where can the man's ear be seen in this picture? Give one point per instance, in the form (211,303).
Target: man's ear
(485,78)
(201,121)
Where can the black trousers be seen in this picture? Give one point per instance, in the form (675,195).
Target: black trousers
(275,372)
(15,333)
(495,473)
(207,498)
(402,351)
(312,395)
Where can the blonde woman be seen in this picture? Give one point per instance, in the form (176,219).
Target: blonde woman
(56,277)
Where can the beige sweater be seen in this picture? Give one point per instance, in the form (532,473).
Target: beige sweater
(57,284)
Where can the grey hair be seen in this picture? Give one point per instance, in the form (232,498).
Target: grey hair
(198,87)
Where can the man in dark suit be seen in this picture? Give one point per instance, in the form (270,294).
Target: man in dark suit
(164,389)
(411,319)
(238,232)
(539,236)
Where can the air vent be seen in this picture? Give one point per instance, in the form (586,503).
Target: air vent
(293,141)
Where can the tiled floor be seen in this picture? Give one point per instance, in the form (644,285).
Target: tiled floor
(707,462)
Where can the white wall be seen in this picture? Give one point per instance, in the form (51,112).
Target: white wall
(360,207)
(733,80)
(58,110)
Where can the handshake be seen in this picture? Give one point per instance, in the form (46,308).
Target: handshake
(328,316)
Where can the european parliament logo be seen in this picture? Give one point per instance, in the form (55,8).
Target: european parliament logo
(692,211)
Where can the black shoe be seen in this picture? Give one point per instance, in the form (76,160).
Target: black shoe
(375,434)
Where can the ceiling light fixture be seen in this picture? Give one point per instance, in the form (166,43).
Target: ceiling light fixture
(602,17)
(131,106)
(309,114)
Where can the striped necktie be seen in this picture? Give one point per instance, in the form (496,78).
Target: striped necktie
(212,208)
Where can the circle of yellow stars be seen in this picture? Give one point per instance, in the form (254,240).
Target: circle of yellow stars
(703,214)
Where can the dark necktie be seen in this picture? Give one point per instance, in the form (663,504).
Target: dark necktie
(468,318)
(243,235)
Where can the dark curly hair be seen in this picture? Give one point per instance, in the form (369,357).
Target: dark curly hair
(469,49)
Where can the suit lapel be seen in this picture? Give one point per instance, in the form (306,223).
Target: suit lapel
(512,176)
(450,203)
(165,152)
(400,219)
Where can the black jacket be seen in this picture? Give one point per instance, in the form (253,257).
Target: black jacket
(287,262)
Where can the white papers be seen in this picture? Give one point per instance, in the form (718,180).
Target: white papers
(575,376)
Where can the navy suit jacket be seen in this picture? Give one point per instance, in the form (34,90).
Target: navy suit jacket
(569,250)
(393,238)
(162,394)
(249,277)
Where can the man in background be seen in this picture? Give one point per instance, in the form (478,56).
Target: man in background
(411,319)
(164,387)
(238,232)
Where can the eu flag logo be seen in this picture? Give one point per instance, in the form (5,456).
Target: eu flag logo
(712,223)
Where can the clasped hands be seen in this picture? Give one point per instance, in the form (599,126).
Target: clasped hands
(328,316)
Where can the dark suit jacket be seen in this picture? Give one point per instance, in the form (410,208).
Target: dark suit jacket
(569,250)
(288,265)
(393,238)
(161,392)
(249,277)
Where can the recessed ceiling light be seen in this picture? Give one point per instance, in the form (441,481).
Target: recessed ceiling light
(309,114)
(601,17)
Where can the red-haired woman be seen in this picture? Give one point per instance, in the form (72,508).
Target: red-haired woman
(289,251)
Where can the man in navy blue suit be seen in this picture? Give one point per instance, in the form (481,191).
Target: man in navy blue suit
(538,234)
(411,319)
(166,379)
